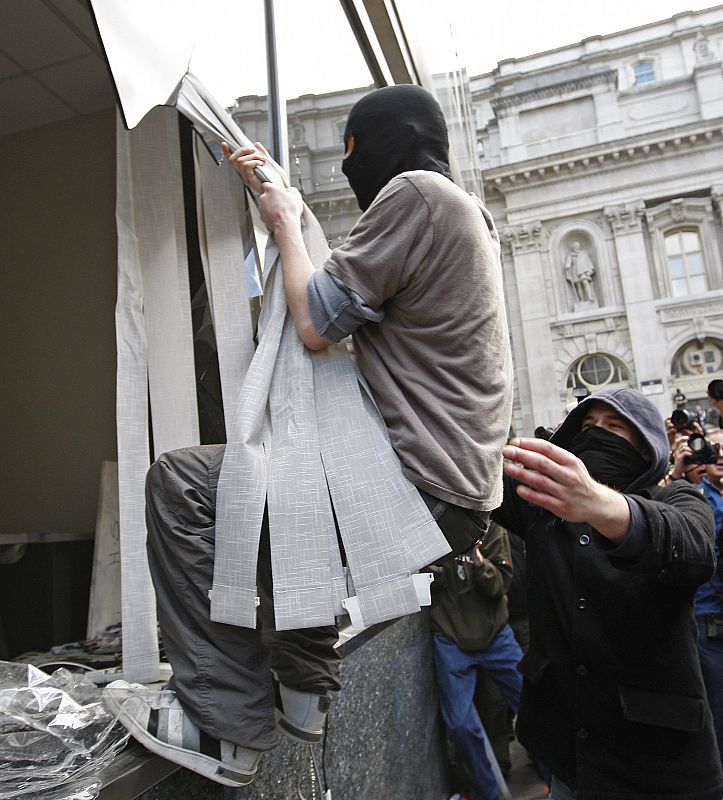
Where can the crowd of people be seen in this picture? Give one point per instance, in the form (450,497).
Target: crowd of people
(620,544)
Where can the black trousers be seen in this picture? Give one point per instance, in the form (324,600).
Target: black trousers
(221,673)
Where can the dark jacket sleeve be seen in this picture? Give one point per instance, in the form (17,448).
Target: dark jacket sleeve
(681,529)
(514,513)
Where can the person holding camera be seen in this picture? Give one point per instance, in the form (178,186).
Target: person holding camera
(613,700)
(470,635)
(682,458)
(715,398)
(705,470)
(709,599)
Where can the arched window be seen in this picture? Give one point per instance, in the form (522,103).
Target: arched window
(598,371)
(686,265)
(696,358)
(643,72)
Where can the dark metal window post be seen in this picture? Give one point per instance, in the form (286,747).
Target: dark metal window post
(277,105)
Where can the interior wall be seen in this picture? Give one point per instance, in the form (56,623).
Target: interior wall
(58,256)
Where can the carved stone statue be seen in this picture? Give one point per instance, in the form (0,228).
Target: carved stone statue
(579,271)
(702,49)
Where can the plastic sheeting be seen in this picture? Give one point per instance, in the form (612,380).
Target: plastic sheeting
(55,735)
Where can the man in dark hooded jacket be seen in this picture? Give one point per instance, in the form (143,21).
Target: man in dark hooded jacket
(613,700)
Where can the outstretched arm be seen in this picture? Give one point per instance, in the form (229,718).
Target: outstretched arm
(281,209)
(558,481)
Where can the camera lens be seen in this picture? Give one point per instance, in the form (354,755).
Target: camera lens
(681,418)
(697,443)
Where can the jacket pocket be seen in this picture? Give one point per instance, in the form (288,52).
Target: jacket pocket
(533,666)
(675,711)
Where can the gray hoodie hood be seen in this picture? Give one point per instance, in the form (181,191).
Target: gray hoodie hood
(641,413)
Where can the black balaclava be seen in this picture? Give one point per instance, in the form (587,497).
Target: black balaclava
(609,458)
(395,129)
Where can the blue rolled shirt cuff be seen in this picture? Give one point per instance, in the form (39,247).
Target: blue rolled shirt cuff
(336,310)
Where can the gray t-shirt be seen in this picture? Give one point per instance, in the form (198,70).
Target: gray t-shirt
(425,256)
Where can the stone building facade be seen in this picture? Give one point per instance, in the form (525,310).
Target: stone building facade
(602,164)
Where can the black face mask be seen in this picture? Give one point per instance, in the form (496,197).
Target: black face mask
(609,458)
(395,129)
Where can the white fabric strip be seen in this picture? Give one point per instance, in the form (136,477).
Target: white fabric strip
(140,641)
(301,522)
(386,528)
(221,204)
(155,347)
(242,484)
(161,236)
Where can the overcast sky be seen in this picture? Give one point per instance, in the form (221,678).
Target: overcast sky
(317,52)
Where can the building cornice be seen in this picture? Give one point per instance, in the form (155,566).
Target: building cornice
(608,76)
(603,156)
(576,53)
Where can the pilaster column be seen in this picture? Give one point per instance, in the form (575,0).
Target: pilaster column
(708,78)
(511,143)
(646,337)
(609,120)
(536,376)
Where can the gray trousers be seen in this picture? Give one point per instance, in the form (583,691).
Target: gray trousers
(221,673)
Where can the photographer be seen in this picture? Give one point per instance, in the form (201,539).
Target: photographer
(709,599)
(715,398)
(681,456)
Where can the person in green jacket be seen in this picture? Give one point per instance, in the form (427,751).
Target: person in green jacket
(471,634)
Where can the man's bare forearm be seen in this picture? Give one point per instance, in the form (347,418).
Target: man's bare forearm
(298,269)
(610,515)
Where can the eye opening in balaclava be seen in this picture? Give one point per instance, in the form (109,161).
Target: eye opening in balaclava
(395,129)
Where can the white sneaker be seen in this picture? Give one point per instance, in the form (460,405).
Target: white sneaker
(157,720)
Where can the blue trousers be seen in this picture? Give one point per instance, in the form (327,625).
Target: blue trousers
(456,672)
(710,652)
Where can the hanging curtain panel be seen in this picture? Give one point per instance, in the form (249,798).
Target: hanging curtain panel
(225,250)
(155,354)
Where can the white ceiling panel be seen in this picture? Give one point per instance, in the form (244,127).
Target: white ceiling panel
(29,105)
(8,67)
(83,83)
(76,12)
(34,36)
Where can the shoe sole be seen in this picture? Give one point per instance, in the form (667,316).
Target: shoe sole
(197,762)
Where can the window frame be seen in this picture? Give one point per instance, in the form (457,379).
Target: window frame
(680,215)
(683,255)
(641,58)
(620,373)
(650,63)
